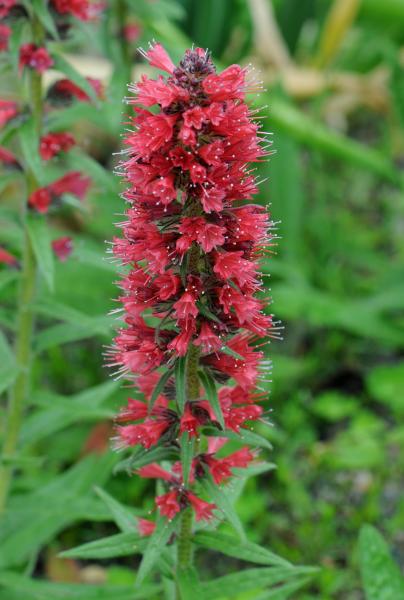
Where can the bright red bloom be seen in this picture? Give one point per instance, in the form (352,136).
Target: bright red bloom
(7,259)
(84,10)
(159,58)
(35,57)
(8,110)
(40,200)
(53,143)
(67,90)
(203,510)
(5,7)
(5,33)
(62,247)
(168,504)
(132,32)
(191,245)
(74,183)
(145,527)
(207,339)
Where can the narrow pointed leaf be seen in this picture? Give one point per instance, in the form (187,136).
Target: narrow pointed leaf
(43,14)
(38,231)
(244,437)
(121,514)
(61,64)
(29,146)
(159,388)
(180,382)
(188,583)
(231,546)
(187,453)
(8,366)
(211,393)
(122,544)
(219,496)
(157,541)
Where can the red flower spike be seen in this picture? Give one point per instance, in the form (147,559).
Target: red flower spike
(62,247)
(191,244)
(52,144)
(34,57)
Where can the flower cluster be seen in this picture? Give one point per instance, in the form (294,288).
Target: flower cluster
(191,245)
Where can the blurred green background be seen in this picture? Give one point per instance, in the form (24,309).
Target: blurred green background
(334,100)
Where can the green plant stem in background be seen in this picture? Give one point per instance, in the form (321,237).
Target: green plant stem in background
(185,534)
(25,316)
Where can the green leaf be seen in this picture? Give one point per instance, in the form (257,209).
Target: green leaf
(157,542)
(211,393)
(250,579)
(19,587)
(121,514)
(180,383)
(159,388)
(219,496)
(77,159)
(231,546)
(41,10)
(122,544)
(188,583)
(38,231)
(285,591)
(29,147)
(204,310)
(230,352)
(385,383)
(144,457)
(244,437)
(380,575)
(8,366)
(187,454)
(61,64)
(33,519)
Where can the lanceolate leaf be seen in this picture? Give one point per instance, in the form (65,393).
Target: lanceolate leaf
(43,14)
(187,452)
(159,388)
(18,587)
(38,231)
(380,574)
(180,382)
(144,457)
(210,388)
(29,147)
(250,579)
(157,541)
(188,583)
(121,514)
(122,544)
(8,367)
(219,496)
(231,546)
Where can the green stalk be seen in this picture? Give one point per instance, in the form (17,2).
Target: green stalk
(25,316)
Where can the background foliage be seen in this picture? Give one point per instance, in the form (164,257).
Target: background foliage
(335,104)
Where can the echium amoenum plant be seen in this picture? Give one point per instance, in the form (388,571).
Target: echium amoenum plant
(193,302)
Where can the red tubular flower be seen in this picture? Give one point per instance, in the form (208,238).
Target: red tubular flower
(7,259)
(62,247)
(34,57)
(74,183)
(65,91)
(53,143)
(145,527)
(81,9)
(8,110)
(5,7)
(8,158)
(5,33)
(191,244)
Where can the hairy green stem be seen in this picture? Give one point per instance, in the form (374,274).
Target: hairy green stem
(184,548)
(25,316)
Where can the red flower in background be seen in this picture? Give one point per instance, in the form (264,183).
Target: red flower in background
(5,7)
(35,57)
(74,183)
(85,10)
(65,90)
(7,259)
(62,247)
(8,110)
(53,143)
(5,33)
(8,158)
